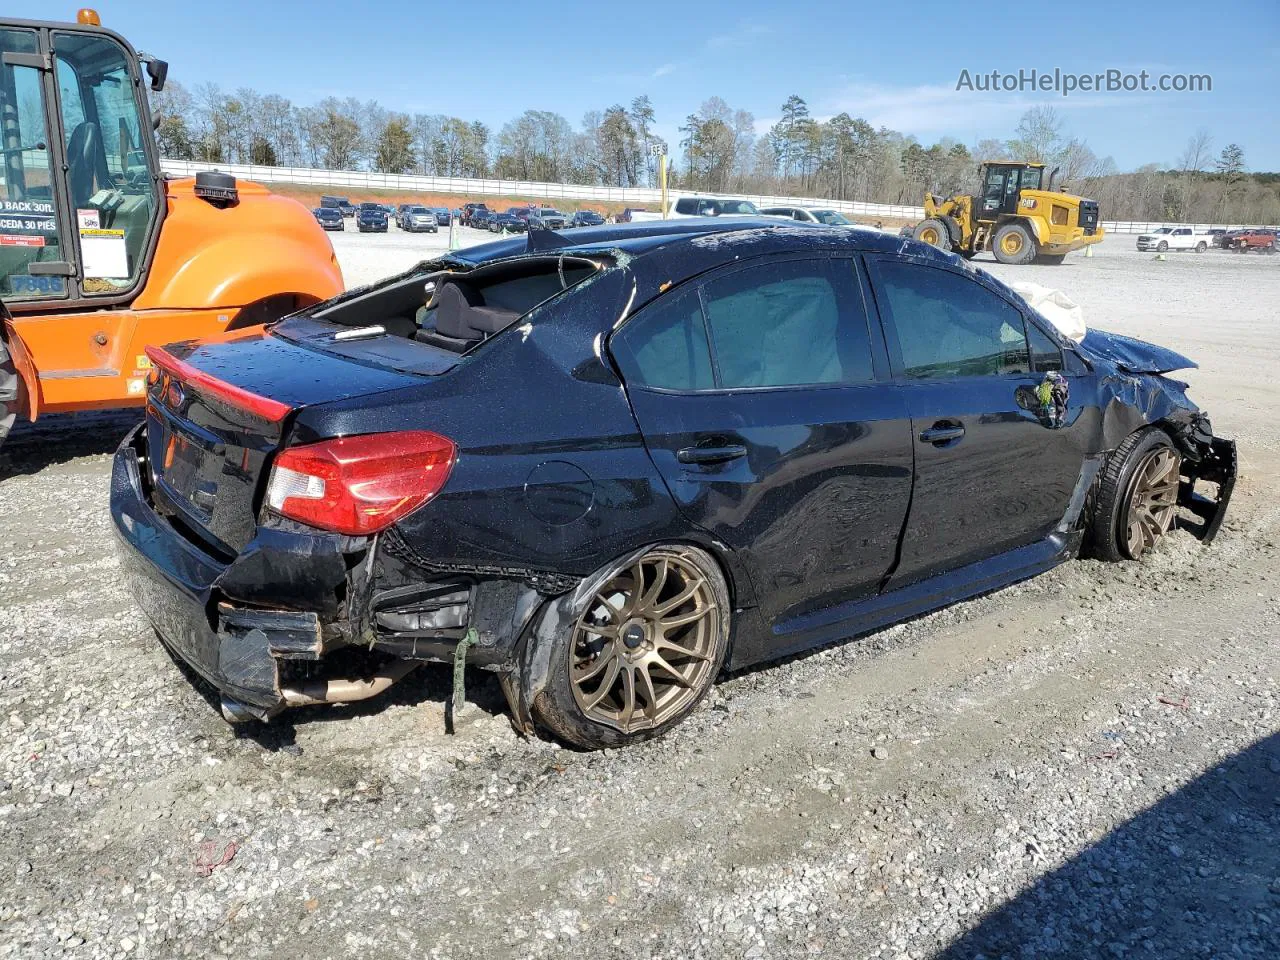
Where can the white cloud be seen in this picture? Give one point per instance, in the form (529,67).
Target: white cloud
(744,34)
(934,109)
(662,71)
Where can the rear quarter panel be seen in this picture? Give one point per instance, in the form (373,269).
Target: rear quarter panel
(552,473)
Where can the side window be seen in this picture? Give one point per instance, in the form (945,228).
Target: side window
(687,205)
(802,216)
(666,345)
(1045,355)
(782,324)
(951,326)
(29,228)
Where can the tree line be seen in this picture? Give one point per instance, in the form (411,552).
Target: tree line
(719,150)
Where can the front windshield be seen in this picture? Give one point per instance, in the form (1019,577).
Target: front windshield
(831,218)
(1164,230)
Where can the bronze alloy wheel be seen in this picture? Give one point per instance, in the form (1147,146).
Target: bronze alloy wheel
(1153,501)
(648,644)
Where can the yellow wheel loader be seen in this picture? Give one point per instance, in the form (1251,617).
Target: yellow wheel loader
(1012,217)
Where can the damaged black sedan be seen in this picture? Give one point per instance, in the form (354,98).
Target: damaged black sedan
(609,465)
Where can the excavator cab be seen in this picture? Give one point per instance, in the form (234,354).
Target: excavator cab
(101,255)
(1002,184)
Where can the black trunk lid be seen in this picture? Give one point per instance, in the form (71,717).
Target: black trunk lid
(216,414)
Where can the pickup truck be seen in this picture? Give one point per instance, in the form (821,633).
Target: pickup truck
(701,207)
(1264,241)
(1174,238)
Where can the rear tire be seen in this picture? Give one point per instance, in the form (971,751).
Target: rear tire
(1201,247)
(933,232)
(10,385)
(1014,244)
(1050,259)
(1137,496)
(640,658)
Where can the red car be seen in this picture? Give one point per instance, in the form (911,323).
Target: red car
(1264,241)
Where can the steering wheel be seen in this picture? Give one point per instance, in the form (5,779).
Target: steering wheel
(86,162)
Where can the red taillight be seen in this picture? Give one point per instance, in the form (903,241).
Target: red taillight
(360,485)
(208,384)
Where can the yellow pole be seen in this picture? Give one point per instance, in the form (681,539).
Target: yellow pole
(662,177)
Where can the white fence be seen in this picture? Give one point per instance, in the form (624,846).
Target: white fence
(357,180)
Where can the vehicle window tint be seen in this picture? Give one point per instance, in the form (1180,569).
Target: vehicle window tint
(666,345)
(687,205)
(780,324)
(1045,355)
(950,326)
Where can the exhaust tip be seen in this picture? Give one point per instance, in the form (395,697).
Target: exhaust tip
(233,711)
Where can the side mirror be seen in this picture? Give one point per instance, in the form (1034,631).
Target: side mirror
(158,71)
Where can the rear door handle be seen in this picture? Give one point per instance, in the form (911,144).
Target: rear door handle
(732,451)
(941,433)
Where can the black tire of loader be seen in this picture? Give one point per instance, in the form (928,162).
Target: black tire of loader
(10,385)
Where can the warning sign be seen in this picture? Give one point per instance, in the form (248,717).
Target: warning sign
(103,253)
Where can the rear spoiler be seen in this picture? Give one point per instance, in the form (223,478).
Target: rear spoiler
(271,410)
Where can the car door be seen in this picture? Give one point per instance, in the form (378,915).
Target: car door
(760,394)
(999,427)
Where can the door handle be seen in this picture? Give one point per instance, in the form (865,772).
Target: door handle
(942,433)
(724,454)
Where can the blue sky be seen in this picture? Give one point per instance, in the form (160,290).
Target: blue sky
(871,59)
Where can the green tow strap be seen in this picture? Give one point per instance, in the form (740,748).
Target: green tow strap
(459,670)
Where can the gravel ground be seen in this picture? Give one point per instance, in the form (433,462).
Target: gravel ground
(1084,765)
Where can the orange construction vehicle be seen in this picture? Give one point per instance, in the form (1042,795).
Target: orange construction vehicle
(100,255)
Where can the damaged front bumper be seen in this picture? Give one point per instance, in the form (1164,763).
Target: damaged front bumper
(1217,464)
(300,618)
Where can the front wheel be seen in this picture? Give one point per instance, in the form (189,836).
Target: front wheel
(933,232)
(643,653)
(1162,247)
(1137,496)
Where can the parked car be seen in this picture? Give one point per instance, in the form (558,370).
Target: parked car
(551,218)
(443,215)
(586,218)
(371,218)
(342,203)
(823,215)
(1174,238)
(498,222)
(469,210)
(401,210)
(479,219)
(711,207)
(330,218)
(419,219)
(692,441)
(1216,236)
(1256,238)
